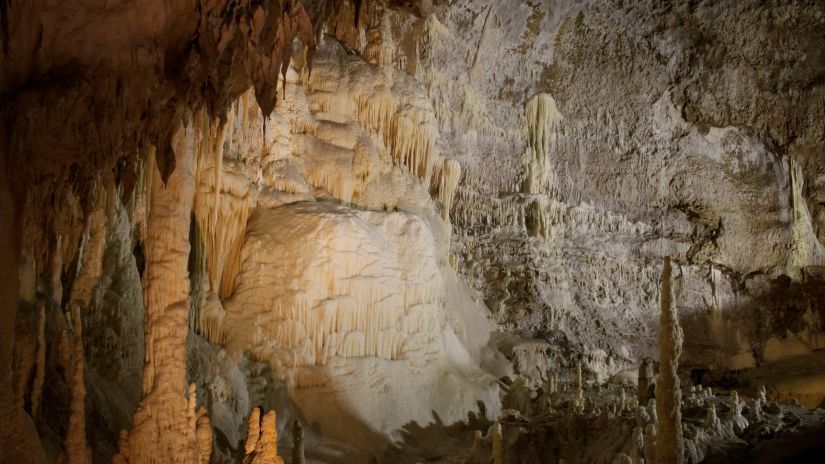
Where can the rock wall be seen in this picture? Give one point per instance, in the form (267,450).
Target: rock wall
(596,138)
(366,202)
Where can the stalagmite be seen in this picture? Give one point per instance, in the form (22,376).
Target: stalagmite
(479,453)
(77,452)
(253,431)
(162,429)
(638,445)
(298,443)
(650,445)
(712,422)
(622,459)
(204,435)
(40,360)
(551,384)
(669,440)
(261,445)
(579,401)
(642,417)
(651,411)
(89,270)
(740,423)
(645,379)
(498,445)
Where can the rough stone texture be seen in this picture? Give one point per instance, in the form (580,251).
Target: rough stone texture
(550,152)
(681,130)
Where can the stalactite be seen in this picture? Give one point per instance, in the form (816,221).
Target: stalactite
(450,175)
(669,440)
(380,49)
(402,122)
(806,250)
(352,306)
(542,120)
(223,199)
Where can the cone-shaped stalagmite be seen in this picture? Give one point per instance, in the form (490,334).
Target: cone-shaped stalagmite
(669,441)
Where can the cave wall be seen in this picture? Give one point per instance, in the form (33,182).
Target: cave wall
(536,158)
(597,138)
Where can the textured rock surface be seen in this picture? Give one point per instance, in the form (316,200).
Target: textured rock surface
(361,180)
(597,138)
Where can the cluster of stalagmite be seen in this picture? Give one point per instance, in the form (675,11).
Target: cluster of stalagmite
(261,446)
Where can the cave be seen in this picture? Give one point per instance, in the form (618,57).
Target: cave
(408,231)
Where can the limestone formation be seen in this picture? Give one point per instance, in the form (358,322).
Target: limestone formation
(163,429)
(645,380)
(650,446)
(669,441)
(77,451)
(203,433)
(498,445)
(552,387)
(637,446)
(392,219)
(261,446)
(579,400)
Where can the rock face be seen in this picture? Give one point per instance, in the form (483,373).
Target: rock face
(326,208)
(634,132)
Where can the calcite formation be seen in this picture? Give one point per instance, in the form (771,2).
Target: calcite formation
(402,223)
(669,440)
(163,425)
(261,446)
